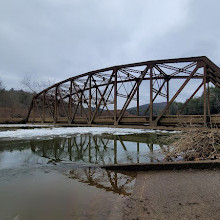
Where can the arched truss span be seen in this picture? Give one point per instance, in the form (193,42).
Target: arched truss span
(114,95)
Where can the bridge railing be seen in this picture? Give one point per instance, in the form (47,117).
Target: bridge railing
(114,95)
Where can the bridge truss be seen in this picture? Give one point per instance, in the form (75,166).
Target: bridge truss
(104,97)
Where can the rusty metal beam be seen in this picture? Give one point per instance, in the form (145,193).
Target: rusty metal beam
(43,107)
(153,62)
(168,95)
(177,93)
(70,101)
(158,92)
(189,99)
(133,91)
(63,102)
(90,97)
(63,106)
(151,96)
(144,79)
(55,104)
(205,98)
(138,100)
(101,99)
(79,101)
(115,97)
(104,100)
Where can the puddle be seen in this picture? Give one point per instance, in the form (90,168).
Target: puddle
(40,177)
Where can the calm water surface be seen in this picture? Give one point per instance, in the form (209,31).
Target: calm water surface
(51,178)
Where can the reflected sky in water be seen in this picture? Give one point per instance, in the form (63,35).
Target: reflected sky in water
(84,149)
(55,181)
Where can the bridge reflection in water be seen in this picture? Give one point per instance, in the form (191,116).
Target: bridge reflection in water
(102,150)
(117,182)
(85,150)
(105,149)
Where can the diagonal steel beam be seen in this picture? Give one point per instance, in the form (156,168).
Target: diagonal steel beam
(104,100)
(190,98)
(38,109)
(177,93)
(107,101)
(158,92)
(132,93)
(94,114)
(80,98)
(64,109)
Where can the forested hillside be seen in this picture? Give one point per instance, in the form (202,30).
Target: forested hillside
(14,105)
(194,107)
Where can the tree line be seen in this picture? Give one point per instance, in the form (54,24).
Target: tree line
(15,103)
(194,107)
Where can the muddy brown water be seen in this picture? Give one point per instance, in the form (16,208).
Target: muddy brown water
(41,178)
(52,179)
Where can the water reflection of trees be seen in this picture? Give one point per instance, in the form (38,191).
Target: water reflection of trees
(100,149)
(97,149)
(121,183)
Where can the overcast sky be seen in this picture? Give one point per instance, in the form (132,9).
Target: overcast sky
(57,39)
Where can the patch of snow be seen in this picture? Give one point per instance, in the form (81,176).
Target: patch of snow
(23,125)
(37,133)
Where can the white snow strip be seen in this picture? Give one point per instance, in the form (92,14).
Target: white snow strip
(23,125)
(64,131)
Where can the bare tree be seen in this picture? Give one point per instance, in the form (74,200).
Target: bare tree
(1,85)
(35,86)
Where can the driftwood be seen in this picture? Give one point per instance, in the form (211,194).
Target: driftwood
(195,145)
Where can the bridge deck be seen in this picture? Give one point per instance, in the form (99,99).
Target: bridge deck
(169,121)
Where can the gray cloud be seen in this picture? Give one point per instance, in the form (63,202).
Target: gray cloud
(56,39)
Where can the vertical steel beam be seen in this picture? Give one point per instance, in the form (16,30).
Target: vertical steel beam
(102,97)
(209,110)
(63,105)
(204,96)
(168,96)
(177,93)
(158,92)
(115,98)
(79,100)
(70,102)
(96,96)
(34,109)
(151,96)
(90,98)
(43,107)
(29,111)
(55,104)
(38,110)
(105,102)
(132,93)
(138,100)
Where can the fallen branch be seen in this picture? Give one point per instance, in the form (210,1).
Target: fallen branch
(195,145)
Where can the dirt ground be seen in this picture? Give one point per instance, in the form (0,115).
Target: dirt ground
(190,194)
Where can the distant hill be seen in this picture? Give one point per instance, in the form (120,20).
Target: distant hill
(194,107)
(157,108)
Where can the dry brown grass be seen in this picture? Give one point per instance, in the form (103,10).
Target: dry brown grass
(12,114)
(195,144)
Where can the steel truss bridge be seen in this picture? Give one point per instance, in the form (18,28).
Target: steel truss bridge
(103,97)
